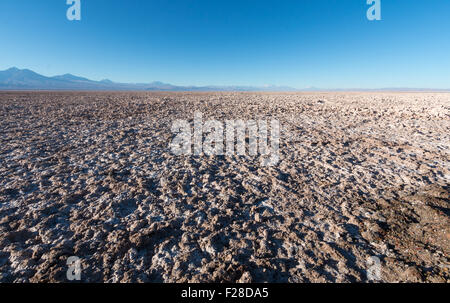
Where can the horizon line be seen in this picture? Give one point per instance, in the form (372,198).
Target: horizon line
(210,87)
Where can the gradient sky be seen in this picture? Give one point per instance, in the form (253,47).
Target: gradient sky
(301,43)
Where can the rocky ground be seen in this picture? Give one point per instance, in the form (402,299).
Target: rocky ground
(361,175)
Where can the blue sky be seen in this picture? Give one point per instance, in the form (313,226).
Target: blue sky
(302,43)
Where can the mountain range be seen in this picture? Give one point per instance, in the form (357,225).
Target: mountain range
(25,79)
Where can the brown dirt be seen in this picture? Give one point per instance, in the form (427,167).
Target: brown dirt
(91,175)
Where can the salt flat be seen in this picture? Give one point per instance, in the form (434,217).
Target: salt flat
(362,178)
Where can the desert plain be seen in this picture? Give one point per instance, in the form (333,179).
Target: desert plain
(360,192)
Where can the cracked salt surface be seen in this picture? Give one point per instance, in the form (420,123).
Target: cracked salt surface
(91,175)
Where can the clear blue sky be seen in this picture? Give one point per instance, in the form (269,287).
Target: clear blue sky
(301,43)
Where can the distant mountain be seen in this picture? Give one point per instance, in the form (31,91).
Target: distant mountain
(15,76)
(24,79)
(70,77)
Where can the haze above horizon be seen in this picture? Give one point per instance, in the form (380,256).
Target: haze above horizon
(324,43)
